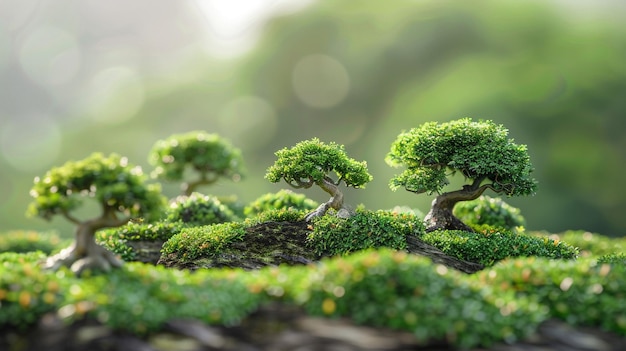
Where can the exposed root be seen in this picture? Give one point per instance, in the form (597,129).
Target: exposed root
(95,257)
(343,212)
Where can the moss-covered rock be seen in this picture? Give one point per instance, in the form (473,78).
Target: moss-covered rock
(489,211)
(199,209)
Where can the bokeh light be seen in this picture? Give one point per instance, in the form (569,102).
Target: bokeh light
(320,81)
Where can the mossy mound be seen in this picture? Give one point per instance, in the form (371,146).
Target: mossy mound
(282,236)
(22,241)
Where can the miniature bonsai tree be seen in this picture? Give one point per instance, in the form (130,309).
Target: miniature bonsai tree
(312,162)
(481,151)
(209,155)
(118,188)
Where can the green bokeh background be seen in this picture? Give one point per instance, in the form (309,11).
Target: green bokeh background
(87,77)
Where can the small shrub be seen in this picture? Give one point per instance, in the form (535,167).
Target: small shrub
(203,241)
(488,248)
(366,229)
(580,292)
(490,211)
(21,241)
(282,199)
(199,209)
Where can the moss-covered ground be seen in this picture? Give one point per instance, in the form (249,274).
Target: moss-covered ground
(357,268)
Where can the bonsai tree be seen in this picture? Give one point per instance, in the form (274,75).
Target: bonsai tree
(119,190)
(209,155)
(313,162)
(480,151)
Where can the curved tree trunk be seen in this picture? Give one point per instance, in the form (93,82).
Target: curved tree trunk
(84,252)
(335,202)
(440,216)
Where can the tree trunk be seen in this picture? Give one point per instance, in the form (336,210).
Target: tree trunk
(84,252)
(440,216)
(335,202)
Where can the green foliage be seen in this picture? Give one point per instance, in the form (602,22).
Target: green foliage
(282,199)
(286,214)
(366,229)
(208,154)
(27,292)
(478,150)
(312,161)
(114,183)
(588,243)
(203,241)
(580,292)
(21,241)
(137,298)
(118,239)
(199,209)
(614,258)
(489,247)
(489,211)
(396,290)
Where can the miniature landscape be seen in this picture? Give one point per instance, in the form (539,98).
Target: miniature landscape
(283,272)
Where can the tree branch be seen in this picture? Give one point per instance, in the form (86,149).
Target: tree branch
(71,218)
(299,184)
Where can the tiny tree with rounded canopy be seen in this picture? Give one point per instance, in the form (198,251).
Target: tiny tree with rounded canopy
(313,162)
(118,188)
(209,155)
(481,151)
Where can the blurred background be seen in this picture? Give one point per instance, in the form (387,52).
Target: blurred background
(78,76)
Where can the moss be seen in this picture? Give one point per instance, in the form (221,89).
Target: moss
(589,244)
(580,292)
(489,211)
(489,247)
(199,209)
(366,229)
(27,240)
(138,241)
(280,200)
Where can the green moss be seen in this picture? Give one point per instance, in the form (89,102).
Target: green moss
(580,292)
(366,229)
(490,247)
(137,298)
(282,199)
(204,241)
(198,209)
(27,240)
(614,258)
(121,240)
(489,211)
(588,243)
(392,289)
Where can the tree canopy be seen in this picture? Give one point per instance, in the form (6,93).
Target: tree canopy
(480,151)
(312,161)
(210,155)
(112,181)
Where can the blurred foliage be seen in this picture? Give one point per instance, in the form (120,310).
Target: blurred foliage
(581,292)
(552,72)
(489,211)
(111,181)
(209,156)
(21,241)
(588,243)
